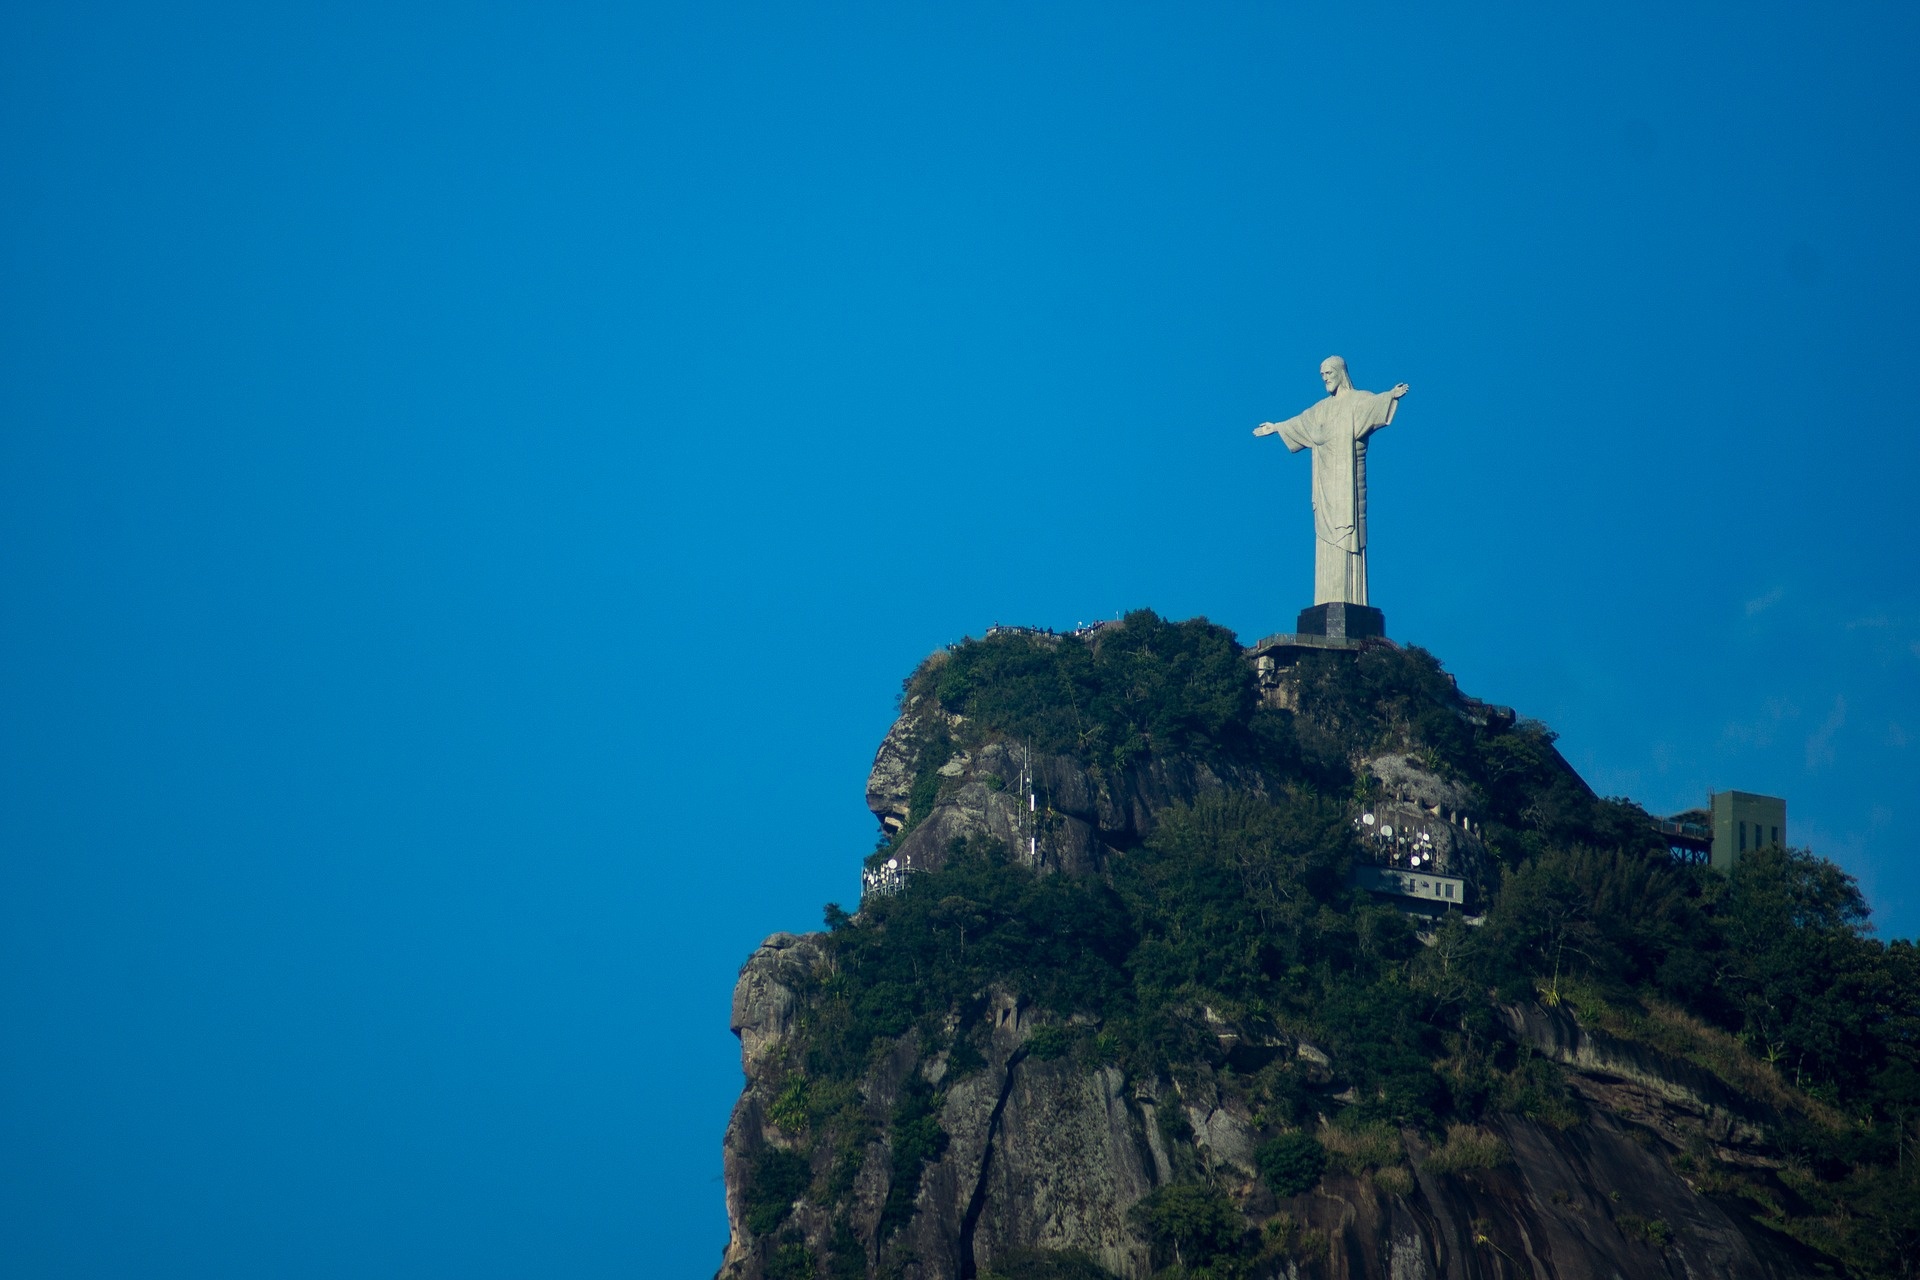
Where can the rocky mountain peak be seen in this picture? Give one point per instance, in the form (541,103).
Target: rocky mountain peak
(1128,996)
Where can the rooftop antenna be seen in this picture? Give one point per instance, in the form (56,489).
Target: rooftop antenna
(1033,805)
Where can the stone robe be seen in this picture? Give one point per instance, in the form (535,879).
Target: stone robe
(1336,429)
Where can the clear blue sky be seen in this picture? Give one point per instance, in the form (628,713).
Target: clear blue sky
(473,478)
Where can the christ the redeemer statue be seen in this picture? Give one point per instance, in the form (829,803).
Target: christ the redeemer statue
(1336,429)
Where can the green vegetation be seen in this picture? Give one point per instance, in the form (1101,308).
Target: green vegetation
(917,1141)
(779,1178)
(1466,1148)
(1235,911)
(791,1261)
(933,748)
(1654,1231)
(1291,1163)
(1355,1146)
(846,1257)
(1190,1226)
(1046,1264)
(937,946)
(1151,686)
(1283,1239)
(1533,1088)
(1394,1180)
(1195,1233)
(1048,1043)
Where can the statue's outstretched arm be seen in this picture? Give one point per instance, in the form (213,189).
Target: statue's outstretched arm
(1394,406)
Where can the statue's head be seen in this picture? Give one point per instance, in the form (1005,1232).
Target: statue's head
(1333,372)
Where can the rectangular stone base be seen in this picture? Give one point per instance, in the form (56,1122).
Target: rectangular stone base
(1343,621)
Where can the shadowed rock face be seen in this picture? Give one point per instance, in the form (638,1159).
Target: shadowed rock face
(1086,814)
(1576,1205)
(1053,1154)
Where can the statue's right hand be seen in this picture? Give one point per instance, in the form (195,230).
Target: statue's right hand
(1266,428)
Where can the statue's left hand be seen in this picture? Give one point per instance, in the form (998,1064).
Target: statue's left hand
(1398,391)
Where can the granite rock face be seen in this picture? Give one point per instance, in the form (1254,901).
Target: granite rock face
(1041,1150)
(1576,1205)
(764,1002)
(1052,1154)
(1037,1152)
(1070,818)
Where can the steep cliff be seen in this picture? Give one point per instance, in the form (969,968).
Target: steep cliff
(1114,1005)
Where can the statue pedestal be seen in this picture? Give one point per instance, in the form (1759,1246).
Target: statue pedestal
(1342,621)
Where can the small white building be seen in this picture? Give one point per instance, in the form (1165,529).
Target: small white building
(1448,891)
